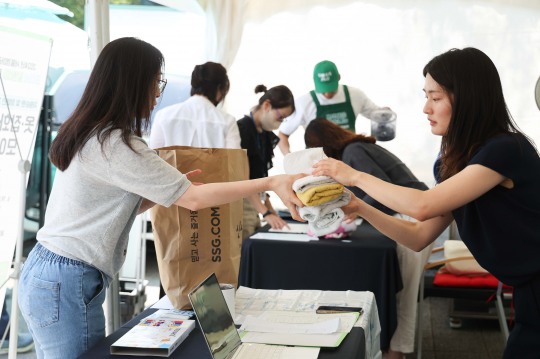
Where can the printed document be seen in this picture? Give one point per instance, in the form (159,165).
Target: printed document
(298,328)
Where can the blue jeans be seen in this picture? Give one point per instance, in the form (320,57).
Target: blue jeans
(61,300)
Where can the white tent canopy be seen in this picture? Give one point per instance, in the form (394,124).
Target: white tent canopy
(380,46)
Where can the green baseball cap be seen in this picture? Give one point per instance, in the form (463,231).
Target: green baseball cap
(326,77)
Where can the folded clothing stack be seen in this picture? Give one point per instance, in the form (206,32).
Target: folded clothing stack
(325,218)
(317,190)
(322,196)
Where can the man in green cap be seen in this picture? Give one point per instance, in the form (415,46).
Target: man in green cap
(338,103)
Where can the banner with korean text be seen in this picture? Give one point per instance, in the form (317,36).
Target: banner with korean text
(24,61)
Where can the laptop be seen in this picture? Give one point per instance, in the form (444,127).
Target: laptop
(219,331)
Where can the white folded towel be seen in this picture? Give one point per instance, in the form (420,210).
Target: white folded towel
(327,224)
(302,184)
(326,218)
(302,161)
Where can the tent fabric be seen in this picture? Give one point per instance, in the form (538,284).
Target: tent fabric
(226,20)
(224,27)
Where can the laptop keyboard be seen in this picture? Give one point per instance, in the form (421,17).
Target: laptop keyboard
(259,351)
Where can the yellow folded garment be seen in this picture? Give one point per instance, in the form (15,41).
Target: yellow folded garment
(317,195)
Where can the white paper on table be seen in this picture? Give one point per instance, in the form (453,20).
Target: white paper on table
(295,237)
(259,324)
(346,323)
(346,320)
(289,352)
(307,340)
(255,302)
(163,303)
(292,228)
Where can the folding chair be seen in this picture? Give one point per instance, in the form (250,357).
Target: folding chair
(459,287)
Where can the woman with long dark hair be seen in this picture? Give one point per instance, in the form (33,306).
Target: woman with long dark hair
(489,182)
(106,176)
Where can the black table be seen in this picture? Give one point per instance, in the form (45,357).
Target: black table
(194,346)
(366,261)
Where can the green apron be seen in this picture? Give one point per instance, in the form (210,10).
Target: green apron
(341,113)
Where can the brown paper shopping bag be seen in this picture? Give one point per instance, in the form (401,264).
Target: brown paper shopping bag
(190,245)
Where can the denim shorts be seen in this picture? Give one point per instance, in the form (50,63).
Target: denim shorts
(61,300)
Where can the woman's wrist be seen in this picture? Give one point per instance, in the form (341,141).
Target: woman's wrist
(357,179)
(267,213)
(269,183)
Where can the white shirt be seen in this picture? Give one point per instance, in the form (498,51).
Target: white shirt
(306,110)
(195,122)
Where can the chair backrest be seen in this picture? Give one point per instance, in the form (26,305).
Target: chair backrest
(440,260)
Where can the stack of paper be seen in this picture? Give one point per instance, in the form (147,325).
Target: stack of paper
(298,328)
(159,334)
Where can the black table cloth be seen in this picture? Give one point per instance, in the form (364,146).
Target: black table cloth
(366,261)
(194,346)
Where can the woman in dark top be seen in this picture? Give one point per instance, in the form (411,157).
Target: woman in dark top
(489,182)
(363,154)
(258,139)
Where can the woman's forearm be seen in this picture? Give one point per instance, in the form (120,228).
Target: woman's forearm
(412,234)
(214,194)
(405,200)
(465,186)
(400,199)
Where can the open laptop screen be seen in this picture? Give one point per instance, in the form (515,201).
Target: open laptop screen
(214,318)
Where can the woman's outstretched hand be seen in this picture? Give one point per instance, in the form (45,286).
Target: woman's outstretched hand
(338,170)
(282,185)
(192,174)
(275,221)
(352,208)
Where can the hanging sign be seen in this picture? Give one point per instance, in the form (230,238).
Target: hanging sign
(24,61)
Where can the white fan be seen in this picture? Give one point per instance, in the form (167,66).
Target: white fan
(537,93)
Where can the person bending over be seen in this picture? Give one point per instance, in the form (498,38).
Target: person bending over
(106,176)
(488,181)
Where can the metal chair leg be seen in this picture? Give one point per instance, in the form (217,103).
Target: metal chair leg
(500,312)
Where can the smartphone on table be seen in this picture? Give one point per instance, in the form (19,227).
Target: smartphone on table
(331,309)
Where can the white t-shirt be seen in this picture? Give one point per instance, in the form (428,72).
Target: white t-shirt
(306,110)
(195,122)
